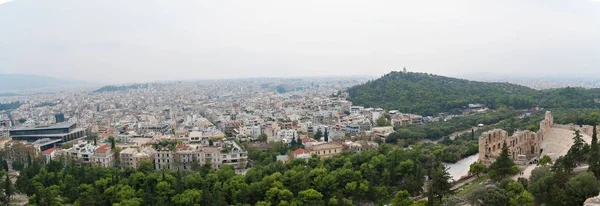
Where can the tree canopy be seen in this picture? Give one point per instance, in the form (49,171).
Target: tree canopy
(430,94)
(372,176)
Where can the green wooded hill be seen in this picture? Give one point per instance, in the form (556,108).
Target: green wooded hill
(430,94)
(112,88)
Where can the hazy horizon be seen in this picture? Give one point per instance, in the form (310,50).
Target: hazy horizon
(141,41)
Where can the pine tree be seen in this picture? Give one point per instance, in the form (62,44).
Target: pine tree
(326,136)
(503,166)
(318,134)
(594,159)
(576,149)
(440,184)
(472,134)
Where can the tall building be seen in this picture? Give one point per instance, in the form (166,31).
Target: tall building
(60,117)
(10,117)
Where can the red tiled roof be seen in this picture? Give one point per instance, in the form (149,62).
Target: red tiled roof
(181,146)
(102,148)
(306,139)
(300,151)
(48,151)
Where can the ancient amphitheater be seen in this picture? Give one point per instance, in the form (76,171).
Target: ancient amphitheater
(527,146)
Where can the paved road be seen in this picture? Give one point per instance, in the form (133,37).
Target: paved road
(526,172)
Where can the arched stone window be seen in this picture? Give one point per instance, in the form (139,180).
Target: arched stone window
(532,149)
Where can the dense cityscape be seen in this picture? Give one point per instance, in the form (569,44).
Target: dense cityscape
(246,126)
(209,118)
(299,103)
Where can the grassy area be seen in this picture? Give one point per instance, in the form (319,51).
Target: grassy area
(466,188)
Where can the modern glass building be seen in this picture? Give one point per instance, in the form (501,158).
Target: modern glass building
(65,131)
(60,117)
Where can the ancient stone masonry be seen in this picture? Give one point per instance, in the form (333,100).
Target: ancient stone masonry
(588,130)
(522,145)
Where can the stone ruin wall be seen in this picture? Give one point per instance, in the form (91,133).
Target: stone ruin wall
(588,130)
(527,143)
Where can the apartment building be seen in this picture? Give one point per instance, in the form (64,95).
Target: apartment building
(285,136)
(131,157)
(183,157)
(103,156)
(326,150)
(163,159)
(82,151)
(49,155)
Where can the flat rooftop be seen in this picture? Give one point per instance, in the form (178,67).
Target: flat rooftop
(50,135)
(46,141)
(61,125)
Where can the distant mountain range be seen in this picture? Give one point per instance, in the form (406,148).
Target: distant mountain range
(12,82)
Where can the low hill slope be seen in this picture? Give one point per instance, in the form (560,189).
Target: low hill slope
(429,94)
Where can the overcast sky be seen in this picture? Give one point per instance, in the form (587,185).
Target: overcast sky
(119,41)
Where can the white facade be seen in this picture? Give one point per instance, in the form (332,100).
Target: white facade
(356,110)
(285,135)
(256,131)
(82,150)
(103,156)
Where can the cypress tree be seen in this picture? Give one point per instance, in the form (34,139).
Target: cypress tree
(594,159)
(111,139)
(28,160)
(8,188)
(294,142)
